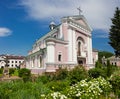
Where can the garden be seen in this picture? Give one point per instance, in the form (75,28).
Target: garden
(101,82)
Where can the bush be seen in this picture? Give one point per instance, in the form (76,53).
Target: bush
(77,74)
(98,65)
(96,72)
(1,70)
(11,71)
(57,85)
(61,74)
(43,78)
(25,74)
(115,81)
(109,68)
(89,90)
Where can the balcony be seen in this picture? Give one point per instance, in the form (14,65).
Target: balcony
(81,54)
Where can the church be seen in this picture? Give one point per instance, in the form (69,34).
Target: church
(66,45)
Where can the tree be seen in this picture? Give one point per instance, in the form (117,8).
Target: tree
(77,74)
(109,68)
(101,54)
(25,74)
(114,34)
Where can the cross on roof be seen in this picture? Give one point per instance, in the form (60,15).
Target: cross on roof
(80,11)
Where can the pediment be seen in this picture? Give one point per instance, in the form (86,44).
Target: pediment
(80,19)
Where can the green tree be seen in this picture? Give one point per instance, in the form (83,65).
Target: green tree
(109,68)
(77,74)
(25,74)
(114,34)
(97,72)
(98,65)
(101,54)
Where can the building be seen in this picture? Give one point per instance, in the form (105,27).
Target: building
(11,61)
(66,45)
(2,61)
(113,60)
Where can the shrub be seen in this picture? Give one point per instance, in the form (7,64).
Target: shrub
(11,71)
(109,68)
(115,81)
(77,74)
(61,74)
(57,85)
(25,74)
(96,72)
(1,70)
(43,78)
(89,90)
(54,95)
(98,65)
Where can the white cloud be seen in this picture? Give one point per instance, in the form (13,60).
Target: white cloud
(97,12)
(5,32)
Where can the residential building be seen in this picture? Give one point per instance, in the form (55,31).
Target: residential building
(12,61)
(113,60)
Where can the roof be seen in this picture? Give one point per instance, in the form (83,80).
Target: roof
(77,17)
(12,56)
(94,50)
(1,58)
(41,52)
(15,57)
(49,33)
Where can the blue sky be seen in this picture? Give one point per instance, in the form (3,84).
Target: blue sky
(22,22)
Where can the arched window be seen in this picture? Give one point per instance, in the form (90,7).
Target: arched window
(79,48)
(55,36)
(59,57)
(80,45)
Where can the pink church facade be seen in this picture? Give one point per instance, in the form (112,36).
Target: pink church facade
(66,45)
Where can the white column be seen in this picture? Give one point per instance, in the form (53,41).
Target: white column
(61,34)
(70,45)
(50,52)
(31,62)
(35,61)
(74,47)
(38,61)
(91,56)
(89,49)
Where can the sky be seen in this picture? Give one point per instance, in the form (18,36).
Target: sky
(22,22)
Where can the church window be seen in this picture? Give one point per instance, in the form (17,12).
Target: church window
(59,57)
(55,36)
(79,49)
